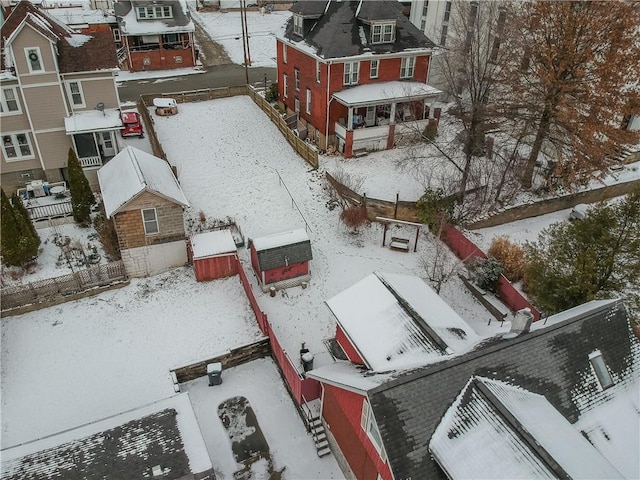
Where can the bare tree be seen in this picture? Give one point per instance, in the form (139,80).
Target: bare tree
(572,83)
(442,265)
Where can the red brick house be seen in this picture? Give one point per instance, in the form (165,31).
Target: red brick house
(156,35)
(281,260)
(356,73)
(496,410)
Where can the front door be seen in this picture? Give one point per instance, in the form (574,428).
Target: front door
(105,140)
(370,119)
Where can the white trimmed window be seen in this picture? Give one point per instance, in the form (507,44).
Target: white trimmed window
(296,105)
(284,53)
(298,23)
(16,146)
(318,71)
(351,73)
(76,96)
(308,100)
(150,221)
(154,11)
(34,59)
(116,35)
(407,67)
(368,424)
(9,103)
(296,73)
(285,85)
(373,72)
(600,369)
(383,33)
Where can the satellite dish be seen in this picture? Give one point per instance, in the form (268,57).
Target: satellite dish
(100,107)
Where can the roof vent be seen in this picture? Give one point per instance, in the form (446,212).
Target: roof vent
(521,322)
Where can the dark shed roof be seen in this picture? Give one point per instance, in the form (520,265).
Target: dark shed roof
(340,33)
(553,362)
(284,255)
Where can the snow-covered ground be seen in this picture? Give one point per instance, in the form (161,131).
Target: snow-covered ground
(225,28)
(158,76)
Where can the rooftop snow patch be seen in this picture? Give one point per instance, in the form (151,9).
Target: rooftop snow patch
(373,93)
(209,244)
(280,239)
(486,421)
(397,321)
(133,171)
(93,121)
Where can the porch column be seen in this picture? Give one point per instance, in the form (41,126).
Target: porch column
(392,114)
(348,144)
(162,59)
(350,120)
(431,108)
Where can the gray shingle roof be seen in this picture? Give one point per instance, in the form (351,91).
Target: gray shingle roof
(125,452)
(284,255)
(339,33)
(552,362)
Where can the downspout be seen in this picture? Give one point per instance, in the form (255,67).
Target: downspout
(326,131)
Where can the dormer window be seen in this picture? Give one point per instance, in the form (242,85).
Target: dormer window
(383,32)
(600,369)
(34,60)
(298,23)
(154,11)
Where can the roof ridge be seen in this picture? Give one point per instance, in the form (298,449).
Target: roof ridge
(137,168)
(480,352)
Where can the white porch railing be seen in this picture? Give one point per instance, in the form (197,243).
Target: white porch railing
(90,162)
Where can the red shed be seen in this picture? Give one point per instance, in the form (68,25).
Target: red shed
(282,260)
(214,255)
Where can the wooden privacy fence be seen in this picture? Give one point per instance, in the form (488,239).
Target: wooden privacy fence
(306,150)
(52,288)
(298,385)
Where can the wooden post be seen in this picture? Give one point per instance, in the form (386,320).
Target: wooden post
(395,210)
(415,245)
(384,233)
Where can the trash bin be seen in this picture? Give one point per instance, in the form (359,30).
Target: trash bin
(214,372)
(307,359)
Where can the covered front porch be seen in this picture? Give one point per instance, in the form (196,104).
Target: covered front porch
(94,135)
(371,117)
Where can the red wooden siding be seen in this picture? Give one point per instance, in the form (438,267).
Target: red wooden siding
(347,346)
(221,266)
(286,272)
(255,264)
(341,410)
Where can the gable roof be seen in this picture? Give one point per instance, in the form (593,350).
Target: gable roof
(397,321)
(521,432)
(551,361)
(281,249)
(130,25)
(132,172)
(76,52)
(335,29)
(126,445)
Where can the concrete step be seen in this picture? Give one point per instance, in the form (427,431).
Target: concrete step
(324,451)
(317,431)
(319,437)
(322,444)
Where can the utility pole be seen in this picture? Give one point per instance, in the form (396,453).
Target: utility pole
(245,38)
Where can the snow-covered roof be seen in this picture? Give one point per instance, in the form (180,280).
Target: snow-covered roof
(348,376)
(574,312)
(280,239)
(93,121)
(79,16)
(131,25)
(397,321)
(373,93)
(83,449)
(132,172)
(209,244)
(515,429)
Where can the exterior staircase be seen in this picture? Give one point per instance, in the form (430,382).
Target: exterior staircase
(319,436)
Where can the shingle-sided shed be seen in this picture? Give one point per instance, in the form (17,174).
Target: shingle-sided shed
(142,195)
(282,260)
(214,255)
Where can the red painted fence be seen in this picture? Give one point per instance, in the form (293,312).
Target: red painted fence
(298,385)
(465,249)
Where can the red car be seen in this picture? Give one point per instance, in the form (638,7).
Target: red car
(132,125)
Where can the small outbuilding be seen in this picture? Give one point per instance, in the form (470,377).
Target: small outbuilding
(143,197)
(214,255)
(282,260)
